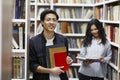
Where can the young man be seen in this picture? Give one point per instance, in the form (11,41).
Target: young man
(37,57)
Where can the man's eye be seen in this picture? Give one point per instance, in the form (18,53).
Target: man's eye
(54,20)
(47,19)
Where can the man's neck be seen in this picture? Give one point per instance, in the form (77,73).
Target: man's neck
(48,35)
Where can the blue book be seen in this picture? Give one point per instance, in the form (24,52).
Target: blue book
(17,9)
(83,58)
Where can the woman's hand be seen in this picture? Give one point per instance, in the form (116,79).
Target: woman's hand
(56,70)
(102,59)
(69,60)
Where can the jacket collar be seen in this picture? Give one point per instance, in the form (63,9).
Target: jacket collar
(43,38)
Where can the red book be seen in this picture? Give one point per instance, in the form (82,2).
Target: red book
(60,60)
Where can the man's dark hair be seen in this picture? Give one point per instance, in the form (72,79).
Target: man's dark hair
(47,11)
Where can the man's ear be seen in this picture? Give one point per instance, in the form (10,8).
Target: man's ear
(42,23)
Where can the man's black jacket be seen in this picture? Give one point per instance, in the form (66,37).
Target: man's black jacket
(37,55)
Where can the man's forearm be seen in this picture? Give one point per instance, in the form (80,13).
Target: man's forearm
(41,69)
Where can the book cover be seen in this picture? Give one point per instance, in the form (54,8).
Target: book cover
(83,58)
(20,37)
(17,9)
(51,50)
(64,26)
(16,35)
(15,45)
(60,60)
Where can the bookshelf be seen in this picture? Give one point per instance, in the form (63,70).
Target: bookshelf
(73,24)
(5,39)
(108,12)
(20,39)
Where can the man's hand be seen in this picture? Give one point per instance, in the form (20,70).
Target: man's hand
(56,70)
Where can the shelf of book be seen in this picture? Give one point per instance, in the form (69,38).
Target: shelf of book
(110,10)
(84,12)
(72,22)
(20,31)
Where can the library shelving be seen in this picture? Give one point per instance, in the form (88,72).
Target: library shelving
(72,23)
(74,15)
(108,12)
(5,39)
(20,39)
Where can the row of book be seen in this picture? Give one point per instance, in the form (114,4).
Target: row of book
(62,27)
(19,9)
(38,29)
(112,14)
(75,42)
(114,58)
(99,13)
(18,69)
(98,1)
(18,39)
(32,11)
(112,32)
(71,27)
(73,55)
(73,72)
(68,1)
(44,1)
(75,1)
(111,73)
(68,12)
(32,29)
(75,13)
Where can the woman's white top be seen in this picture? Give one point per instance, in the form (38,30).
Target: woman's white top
(96,49)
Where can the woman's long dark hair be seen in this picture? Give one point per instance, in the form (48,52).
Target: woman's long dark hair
(88,37)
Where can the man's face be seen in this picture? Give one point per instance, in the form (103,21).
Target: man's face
(50,22)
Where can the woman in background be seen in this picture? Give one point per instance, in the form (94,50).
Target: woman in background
(95,44)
